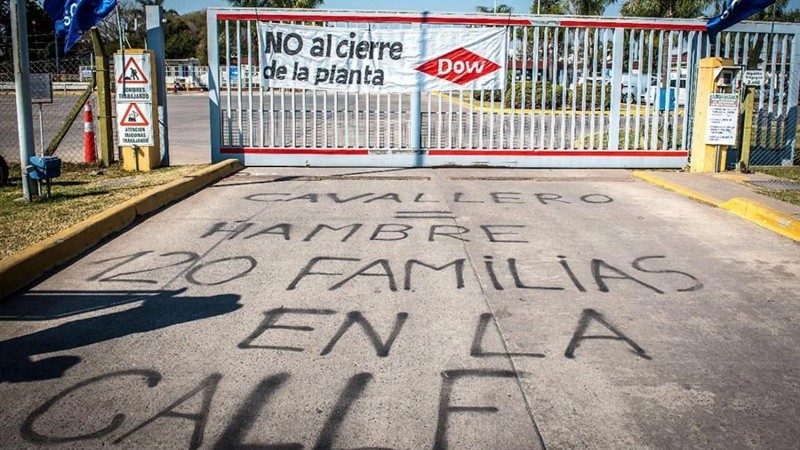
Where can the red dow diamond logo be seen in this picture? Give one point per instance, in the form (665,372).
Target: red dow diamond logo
(459,66)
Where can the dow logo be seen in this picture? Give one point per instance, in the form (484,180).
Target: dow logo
(459,66)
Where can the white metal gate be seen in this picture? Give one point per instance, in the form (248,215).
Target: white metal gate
(581,92)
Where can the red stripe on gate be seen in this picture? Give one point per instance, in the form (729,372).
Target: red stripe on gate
(315,17)
(579,153)
(291,151)
(456,152)
(632,25)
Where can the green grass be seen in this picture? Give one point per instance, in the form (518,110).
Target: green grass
(790,173)
(80,192)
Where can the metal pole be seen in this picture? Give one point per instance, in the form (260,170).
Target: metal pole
(55,38)
(121,47)
(415,110)
(22,75)
(41,128)
(155,42)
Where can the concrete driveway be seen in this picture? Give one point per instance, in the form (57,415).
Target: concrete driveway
(364,308)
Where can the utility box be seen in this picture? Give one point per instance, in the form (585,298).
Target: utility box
(716,114)
(45,167)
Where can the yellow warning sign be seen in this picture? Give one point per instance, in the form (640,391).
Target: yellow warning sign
(133,79)
(134,116)
(133,73)
(134,124)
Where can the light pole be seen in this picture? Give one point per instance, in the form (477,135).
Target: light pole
(22,75)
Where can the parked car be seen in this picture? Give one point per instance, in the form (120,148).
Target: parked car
(635,85)
(596,80)
(677,89)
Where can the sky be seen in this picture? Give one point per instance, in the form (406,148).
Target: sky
(519,6)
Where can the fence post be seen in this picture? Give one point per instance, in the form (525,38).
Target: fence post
(215,119)
(155,42)
(104,113)
(616,89)
(22,75)
(793,97)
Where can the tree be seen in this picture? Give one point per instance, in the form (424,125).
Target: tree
(669,9)
(501,9)
(41,37)
(196,23)
(180,40)
(587,7)
(132,19)
(665,8)
(777,12)
(548,7)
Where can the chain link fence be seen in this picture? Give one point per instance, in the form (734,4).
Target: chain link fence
(70,79)
(775,136)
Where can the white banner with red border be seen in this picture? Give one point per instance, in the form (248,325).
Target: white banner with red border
(381,60)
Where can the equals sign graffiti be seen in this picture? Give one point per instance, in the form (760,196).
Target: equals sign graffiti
(424,215)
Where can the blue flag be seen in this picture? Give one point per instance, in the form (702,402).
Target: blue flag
(71,18)
(735,11)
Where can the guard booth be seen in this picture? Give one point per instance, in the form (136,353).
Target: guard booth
(490,90)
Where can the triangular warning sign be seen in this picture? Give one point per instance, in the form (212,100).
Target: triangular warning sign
(132,73)
(134,117)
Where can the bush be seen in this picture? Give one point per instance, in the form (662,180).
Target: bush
(522,95)
(488,96)
(598,99)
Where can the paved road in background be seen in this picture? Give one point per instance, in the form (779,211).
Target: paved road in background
(189,135)
(414,309)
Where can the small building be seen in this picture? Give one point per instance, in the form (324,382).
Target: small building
(188,73)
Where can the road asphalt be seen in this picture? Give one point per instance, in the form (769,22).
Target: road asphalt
(415,308)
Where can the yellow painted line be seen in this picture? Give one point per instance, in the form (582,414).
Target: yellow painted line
(763,215)
(747,209)
(24,267)
(652,178)
(496,109)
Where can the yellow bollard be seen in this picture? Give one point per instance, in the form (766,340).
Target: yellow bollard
(715,76)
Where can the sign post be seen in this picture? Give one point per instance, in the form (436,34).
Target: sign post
(41,92)
(137,110)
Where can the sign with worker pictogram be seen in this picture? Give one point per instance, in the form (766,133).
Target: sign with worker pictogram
(133,80)
(134,124)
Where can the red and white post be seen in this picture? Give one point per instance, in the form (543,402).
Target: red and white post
(88,134)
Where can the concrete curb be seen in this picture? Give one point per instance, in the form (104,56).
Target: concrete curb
(694,195)
(755,212)
(22,268)
(750,210)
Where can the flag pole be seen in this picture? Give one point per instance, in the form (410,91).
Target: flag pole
(121,47)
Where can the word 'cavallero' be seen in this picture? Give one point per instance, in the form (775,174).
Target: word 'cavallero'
(544,198)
